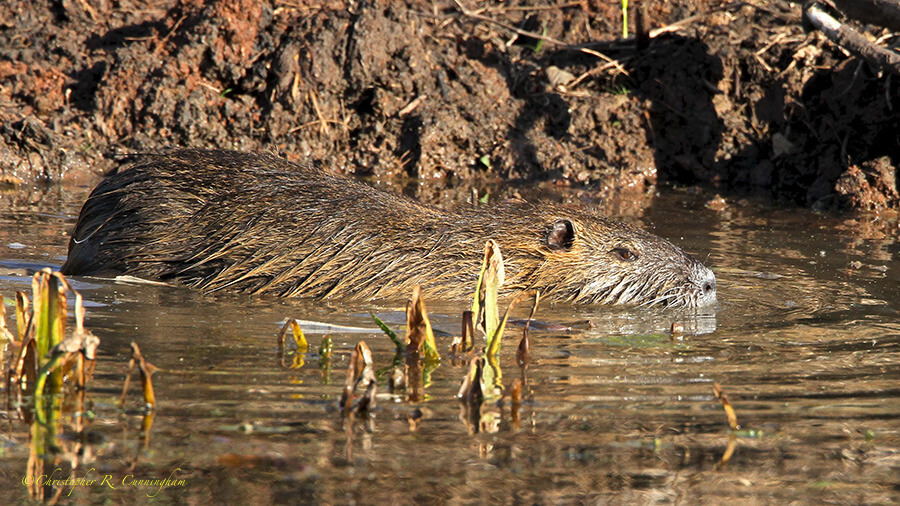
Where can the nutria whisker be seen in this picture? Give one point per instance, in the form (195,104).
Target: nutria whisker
(224,220)
(666,296)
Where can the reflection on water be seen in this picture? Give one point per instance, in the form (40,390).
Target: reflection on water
(805,341)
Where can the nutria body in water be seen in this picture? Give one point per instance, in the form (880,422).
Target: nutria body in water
(216,220)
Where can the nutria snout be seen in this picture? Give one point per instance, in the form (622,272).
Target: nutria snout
(217,220)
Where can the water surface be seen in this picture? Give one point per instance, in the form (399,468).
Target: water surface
(805,341)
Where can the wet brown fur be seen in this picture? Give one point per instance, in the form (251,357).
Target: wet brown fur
(217,220)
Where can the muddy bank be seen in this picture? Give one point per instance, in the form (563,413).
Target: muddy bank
(740,98)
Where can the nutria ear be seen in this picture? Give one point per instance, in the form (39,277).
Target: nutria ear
(561,235)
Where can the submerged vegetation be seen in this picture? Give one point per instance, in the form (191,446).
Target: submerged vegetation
(47,370)
(482,392)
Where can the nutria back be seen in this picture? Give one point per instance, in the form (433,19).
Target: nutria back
(253,222)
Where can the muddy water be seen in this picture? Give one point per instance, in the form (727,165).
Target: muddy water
(805,341)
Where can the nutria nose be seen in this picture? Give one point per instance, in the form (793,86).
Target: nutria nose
(708,288)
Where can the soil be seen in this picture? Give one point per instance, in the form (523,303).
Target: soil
(737,97)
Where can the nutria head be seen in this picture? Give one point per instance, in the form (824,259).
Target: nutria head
(582,257)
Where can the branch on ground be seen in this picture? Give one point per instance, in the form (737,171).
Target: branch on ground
(885,13)
(850,39)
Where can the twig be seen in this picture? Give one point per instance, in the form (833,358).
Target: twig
(168,36)
(316,122)
(323,123)
(531,8)
(775,40)
(763,63)
(525,33)
(678,25)
(411,106)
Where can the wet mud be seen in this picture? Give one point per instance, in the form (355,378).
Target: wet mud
(734,97)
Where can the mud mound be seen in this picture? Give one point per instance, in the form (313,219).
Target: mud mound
(407,91)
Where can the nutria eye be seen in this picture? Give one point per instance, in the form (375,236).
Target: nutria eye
(625,254)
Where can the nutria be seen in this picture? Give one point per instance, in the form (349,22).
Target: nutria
(256,223)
